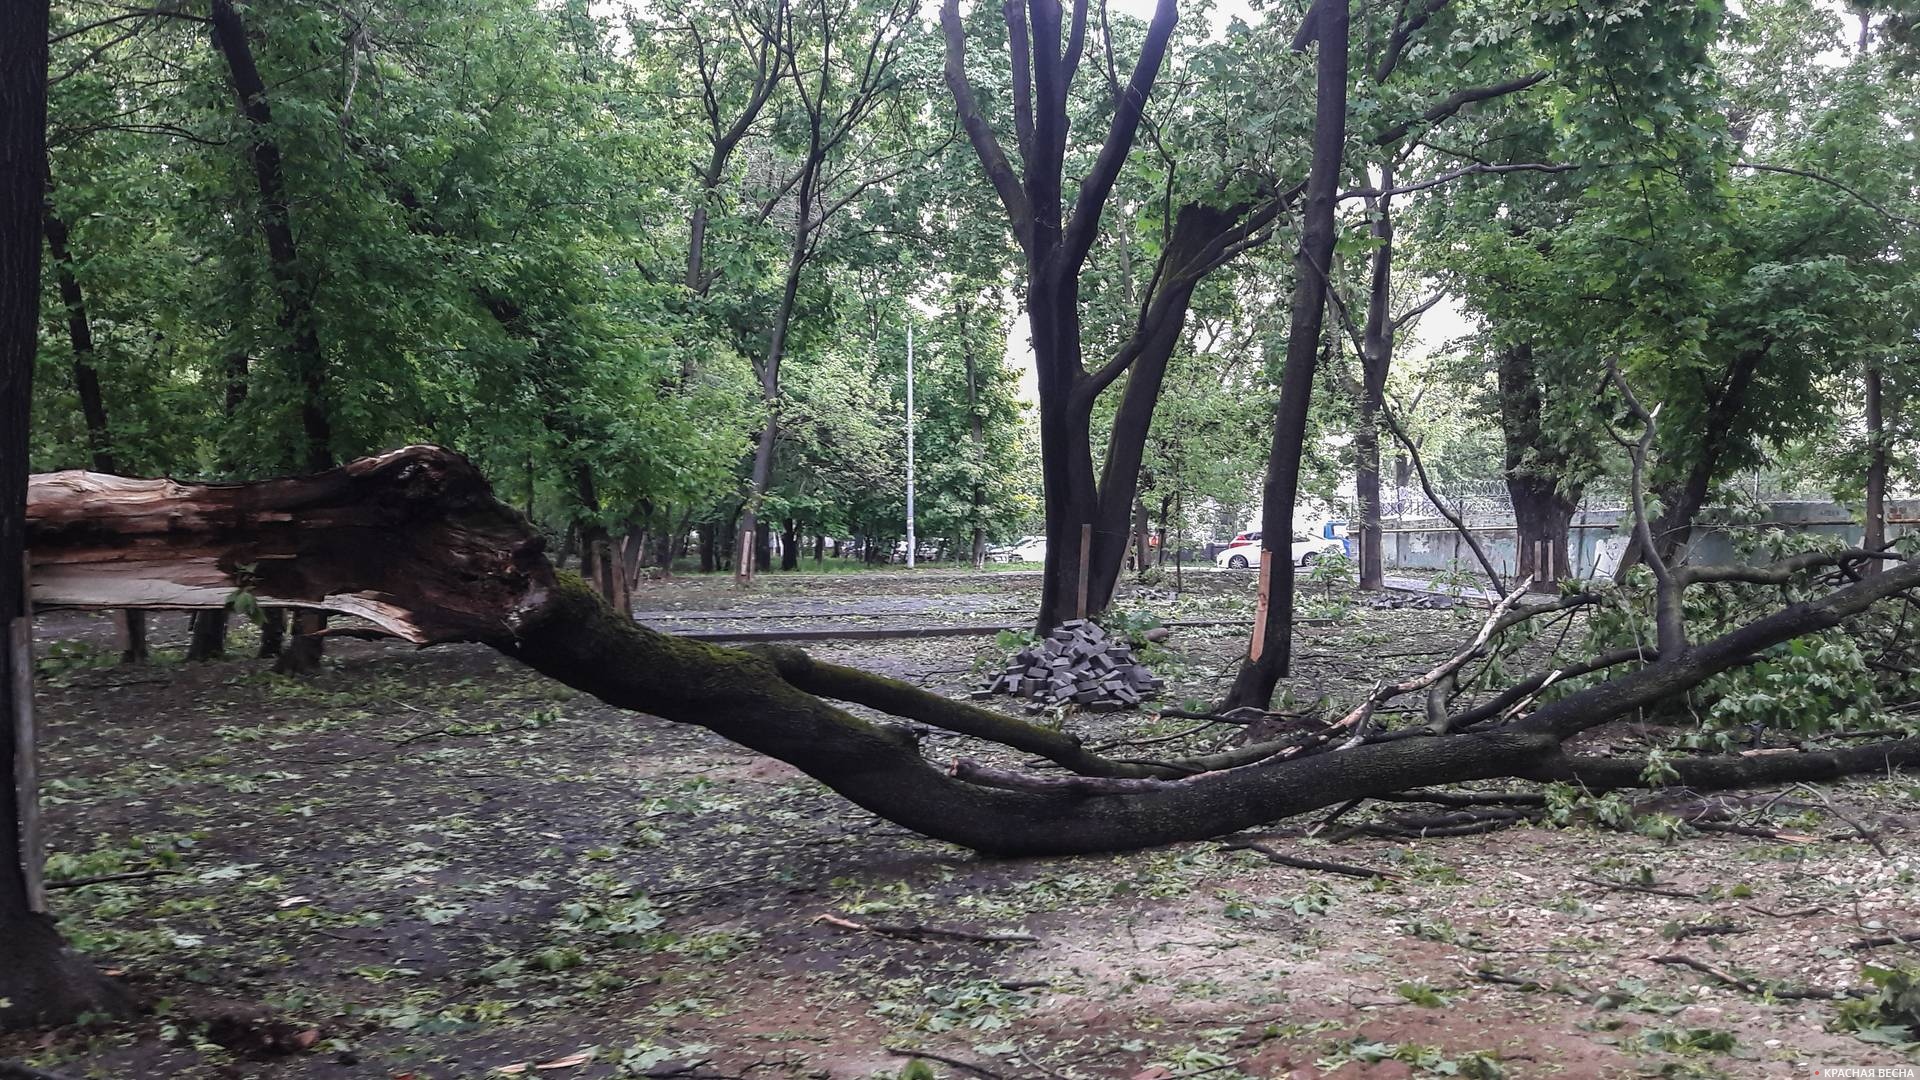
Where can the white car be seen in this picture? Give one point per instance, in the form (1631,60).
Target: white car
(1306,551)
(1026,549)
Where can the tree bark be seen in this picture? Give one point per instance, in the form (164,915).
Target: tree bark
(41,980)
(292,282)
(130,627)
(790,545)
(1544,496)
(976,439)
(1877,462)
(709,546)
(291,279)
(1269,656)
(1376,360)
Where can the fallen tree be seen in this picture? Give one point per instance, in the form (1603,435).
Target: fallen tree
(414,542)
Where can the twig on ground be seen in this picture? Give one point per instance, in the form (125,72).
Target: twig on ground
(1299,863)
(1628,886)
(1326,822)
(1856,826)
(918,932)
(1799,914)
(1487,974)
(103,879)
(1682,933)
(1896,938)
(957,1063)
(1751,986)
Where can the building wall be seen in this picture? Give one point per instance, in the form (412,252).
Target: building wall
(1432,544)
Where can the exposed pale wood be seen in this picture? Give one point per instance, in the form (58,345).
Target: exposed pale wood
(411,540)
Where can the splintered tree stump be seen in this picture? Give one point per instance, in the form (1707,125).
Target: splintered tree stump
(415,542)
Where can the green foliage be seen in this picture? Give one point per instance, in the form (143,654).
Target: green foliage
(1841,679)
(1891,1014)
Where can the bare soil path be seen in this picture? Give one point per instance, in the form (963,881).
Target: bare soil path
(434,864)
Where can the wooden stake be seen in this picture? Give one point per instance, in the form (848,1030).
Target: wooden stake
(1259,642)
(1086,555)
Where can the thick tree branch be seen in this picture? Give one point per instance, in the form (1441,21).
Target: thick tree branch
(1084,225)
(1809,174)
(985,145)
(1455,174)
(1456,101)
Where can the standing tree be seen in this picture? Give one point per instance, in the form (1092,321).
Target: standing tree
(842,67)
(42,981)
(1271,650)
(1233,210)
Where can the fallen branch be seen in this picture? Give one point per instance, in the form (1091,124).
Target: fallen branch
(919,932)
(104,879)
(414,542)
(1897,938)
(1751,986)
(1682,933)
(958,1063)
(1299,863)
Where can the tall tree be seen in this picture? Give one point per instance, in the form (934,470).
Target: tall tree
(42,981)
(131,623)
(1271,649)
(842,68)
(1230,215)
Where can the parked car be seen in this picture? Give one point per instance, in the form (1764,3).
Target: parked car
(1026,549)
(1306,550)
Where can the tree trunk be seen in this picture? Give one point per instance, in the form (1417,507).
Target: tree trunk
(130,626)
(1682,500)
(290,277)
(1139,534)
(1160,549)
(1876,509)
(709,546)
(763,544)
(1544,497)
(1270,653)
(790,545)
(1376,360)
(273,633)
(820,550)
(291,281)
(1542,516)
(208,640)
(976,437)
(302,652)
(600,562)
(41,981)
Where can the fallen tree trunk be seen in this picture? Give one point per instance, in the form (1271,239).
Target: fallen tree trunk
(415,542)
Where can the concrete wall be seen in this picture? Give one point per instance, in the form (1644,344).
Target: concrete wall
(1432,544)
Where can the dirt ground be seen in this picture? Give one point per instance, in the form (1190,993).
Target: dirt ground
(436,864)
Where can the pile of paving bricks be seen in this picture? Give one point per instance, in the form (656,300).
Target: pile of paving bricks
(1078,663)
